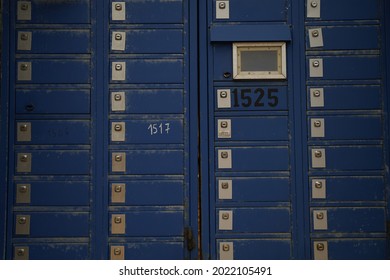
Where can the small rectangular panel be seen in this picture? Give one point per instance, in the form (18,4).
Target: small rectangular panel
(148,41)
(24,41)
(255,189)
(118,193)
(118,41)
(225,220)
(313,8)
(118,71)
(318,158)
(54,132)
(334,10)
(59,41)
(158,249)
(55,71)
(225,189)
(149,131)
(117,253)
(316,68)
(353,188)
(224,159)
(159,223)
(315,37)
(320,220)
(260,128)
(23,194)
(52,251)
(335,38)
(246,159)
(118,162)
(364,97)
(318,188)
(224,128)
(23,133)
(149,71)
(222,9)
(53,193)
(118,101)
(226,251)
(317,98)
(52,101)
(353,67)
(223,98)
(22,224)
(317,126)
(24,11)
(246,220)
(21,253)
(149,101)
(24,162)
(138,193)
(150,12)
(354,248)
(54,162)
(56,224)
(351,220)
(24,71)
(59,12)
(148,162)
(320,249)
(351,157)
(118,11)
(259,248)
(118,131)
(118,224)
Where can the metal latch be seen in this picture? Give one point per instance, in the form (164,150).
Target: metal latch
(24,71)
(117,253)
(318,158)
(118,11)
(24,10)
(316,68)
(23,133)
(313,8)
(224,98)
(224,129)
(320,220)
(226,251)
(317,99)
(317,128)
(118,162)
(315,37)
(118,224)
(320,250)
(318,188)
(189,236)
(118,101)
(224,159)
(24,162)
(118,41)
(23,193)
(225,220)
(22,226)
(118,131)
(118,193)
(21,253)
(118,71)
(222,10)
(24,41)
(225,189)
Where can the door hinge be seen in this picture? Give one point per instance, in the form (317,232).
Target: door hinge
(189,237)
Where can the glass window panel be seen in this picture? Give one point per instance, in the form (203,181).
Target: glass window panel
(259,60)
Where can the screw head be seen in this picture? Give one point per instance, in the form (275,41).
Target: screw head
(118,127)
(318,154)
(225,185)
(317,93)
(118,67)
(117,251)
(23,127)
(318,184)
(118,158)
(23,189)
(317,124)
(24,6)
(225,247)
(22,220)
(225,216)
(223,94)
(118,36)
(24,36)
(20,252)
(224,154)
(118,220)
(316,63)
(24,158)
(320,216)
(118,189)
(224,124)
(24,67)
(222,5)
(118,7)
(117,97)
(314,4)
(315,33)
(320,247)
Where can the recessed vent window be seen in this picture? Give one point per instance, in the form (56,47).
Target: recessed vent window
(259,60)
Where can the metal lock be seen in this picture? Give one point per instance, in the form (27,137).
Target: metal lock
(317,128)
(320,220)
(225,189)
(222,10)
(117,253)
(318,188)
(24,71)
(24,10)
(315,38)
(22,226)
(224,98)
(226,250)
(224,159)
(118,101)
(118,162)
(118,11)
(118,131)
(224,129)
(118,42)
(23,193)
(313,8)
(317,98)
(118,193)
(318,158)
(24,41)
(23,164)
(23,133)
(21,253)
(225,220)
(320,250)
(316,68)
(118,224)
(118,71)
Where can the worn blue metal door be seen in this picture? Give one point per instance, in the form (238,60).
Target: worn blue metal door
(99,103)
